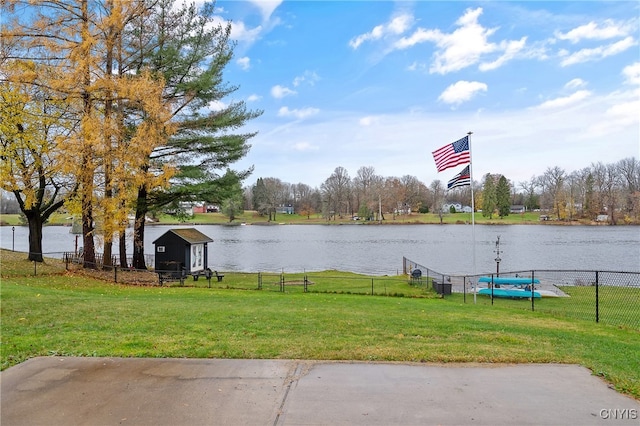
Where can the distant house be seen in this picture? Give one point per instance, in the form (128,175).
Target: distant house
(602,218)
(459,208)
(517,209)
(204,208)
(288,209)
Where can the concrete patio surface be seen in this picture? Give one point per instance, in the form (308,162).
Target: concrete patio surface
(136,391)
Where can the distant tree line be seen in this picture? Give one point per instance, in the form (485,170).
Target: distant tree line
(611,190)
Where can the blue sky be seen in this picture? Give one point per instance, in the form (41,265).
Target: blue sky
(383,84)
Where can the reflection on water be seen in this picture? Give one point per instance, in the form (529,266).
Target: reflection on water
(373,249)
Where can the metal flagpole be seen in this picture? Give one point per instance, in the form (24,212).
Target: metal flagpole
(473,218)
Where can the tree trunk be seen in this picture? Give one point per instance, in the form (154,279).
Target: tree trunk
(86,181)
(138,229)
(89,248)
(107,257)
(122,245)
(35,236)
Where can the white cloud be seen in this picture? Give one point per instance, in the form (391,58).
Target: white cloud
(396,26)
(622,114)
(254,98)
(309,77)
(465,46)
(575,83)
(266,7)
(280,92)
(632,73)
(244,62)
(368,121)
(239,30)
(593,31)
(461,91)
(419,36)
(216,105)
(297,113)
(625,113)
(597,53)
(304,146)
(510,48)
(241,33)
(565,101)
(416,66)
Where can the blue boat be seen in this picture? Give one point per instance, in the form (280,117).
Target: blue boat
(509,293)
(516,287)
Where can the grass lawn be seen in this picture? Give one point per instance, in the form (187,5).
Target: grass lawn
(251,217)
(58,313)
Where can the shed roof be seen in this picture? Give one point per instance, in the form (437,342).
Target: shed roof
(190,235)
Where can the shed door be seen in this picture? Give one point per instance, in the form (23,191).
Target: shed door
(197,257)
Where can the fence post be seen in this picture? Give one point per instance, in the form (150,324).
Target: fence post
(372,292)
(35,268)
(597,298)
(305,283)
(115,274)
(464,289)
(492,286)
(259,280)
(532,288)
(282,283)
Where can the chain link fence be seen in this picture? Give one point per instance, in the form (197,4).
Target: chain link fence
(310,282)
(610,297)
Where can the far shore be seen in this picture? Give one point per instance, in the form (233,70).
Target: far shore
(253,218)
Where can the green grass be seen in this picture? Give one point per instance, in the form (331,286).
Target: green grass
(75,315)
(251,217)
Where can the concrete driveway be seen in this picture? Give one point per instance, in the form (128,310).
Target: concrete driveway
(133,391)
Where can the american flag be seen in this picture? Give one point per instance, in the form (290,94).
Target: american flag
(461,179)
(453,154)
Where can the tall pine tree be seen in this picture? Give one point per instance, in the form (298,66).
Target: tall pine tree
(489,200)
(188,50)
(503,197)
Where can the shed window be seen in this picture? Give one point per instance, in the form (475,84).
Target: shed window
(160,249)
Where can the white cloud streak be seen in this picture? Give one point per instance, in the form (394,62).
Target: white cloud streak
(308,77)
(396,26)
(462,91)
(280,92)
(267,7)
(597,53)
(593,31)
(244,63)
(565,101)
(575,83)
(632,73)
(299,114)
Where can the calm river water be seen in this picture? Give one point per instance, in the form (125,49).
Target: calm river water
(379,250)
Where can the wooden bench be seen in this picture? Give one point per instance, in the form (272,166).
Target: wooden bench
(167,276)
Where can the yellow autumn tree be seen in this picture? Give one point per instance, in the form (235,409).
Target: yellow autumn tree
(31,126)
(119,116)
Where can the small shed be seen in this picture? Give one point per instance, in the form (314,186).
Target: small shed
(182,249)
